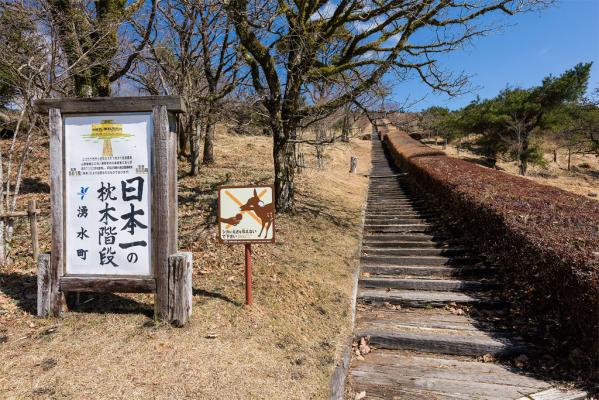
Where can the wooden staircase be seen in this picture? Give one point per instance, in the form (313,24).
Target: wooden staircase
(427,307)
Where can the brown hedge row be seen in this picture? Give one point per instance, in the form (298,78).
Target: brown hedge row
(546,239)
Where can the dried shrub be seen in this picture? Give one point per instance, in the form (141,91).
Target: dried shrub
(545,239)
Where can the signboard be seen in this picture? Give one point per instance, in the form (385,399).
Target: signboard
(107,194)
(246,214)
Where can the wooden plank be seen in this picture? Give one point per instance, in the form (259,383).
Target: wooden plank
(421,298)
(172,185)
(162,242)
(413,270)
(460,343)
(557,394)
(434,318)
(180,288)
(444,285)
(339,376)
(43,286)
(56,209)
(414,251)
(418,260)
(416,237)
(109,104)
(412,365)
(123,285)
(395,373)
(32,211)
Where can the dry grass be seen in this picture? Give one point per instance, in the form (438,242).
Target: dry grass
(284,347)
(578,180)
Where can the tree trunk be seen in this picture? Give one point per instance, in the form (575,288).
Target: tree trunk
(346,125)
(184,147)
(195,137)
(554,155)
(283,155)
(569,158)
(523,153)
(3,246)
(209,141)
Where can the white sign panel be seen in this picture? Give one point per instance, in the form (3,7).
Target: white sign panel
(107,194)
(246,214)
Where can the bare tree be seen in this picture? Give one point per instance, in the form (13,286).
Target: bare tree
(24,69)
(291,45)
(195,58)
(101,42)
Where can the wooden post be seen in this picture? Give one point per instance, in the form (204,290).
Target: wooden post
(43,286)
(32,211)
(56,207)
(248,274)
(353,164)
(179,288)
(163,212)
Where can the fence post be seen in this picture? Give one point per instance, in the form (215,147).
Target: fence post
(32,212)
(353,164)
(44,308)
(179,288)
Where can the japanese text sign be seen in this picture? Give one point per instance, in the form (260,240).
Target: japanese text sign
(107,194)
(246,214)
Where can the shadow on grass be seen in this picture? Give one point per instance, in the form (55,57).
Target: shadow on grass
(107,303)
(34,185)
(23,289)
(214,295)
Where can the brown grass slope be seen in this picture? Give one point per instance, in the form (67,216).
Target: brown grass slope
(284,347)
(546,239)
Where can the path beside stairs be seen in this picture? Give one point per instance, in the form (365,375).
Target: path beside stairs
(426,307)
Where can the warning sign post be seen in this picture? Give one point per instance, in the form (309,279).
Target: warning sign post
(246,215)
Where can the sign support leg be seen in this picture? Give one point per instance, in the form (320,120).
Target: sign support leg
(248,274)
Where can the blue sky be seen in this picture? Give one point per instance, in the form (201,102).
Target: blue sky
(532,46)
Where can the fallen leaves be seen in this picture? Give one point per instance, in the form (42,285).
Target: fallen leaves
(360,396)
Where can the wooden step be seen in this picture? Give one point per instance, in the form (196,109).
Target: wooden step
(405,244)
(474,343)
(404,214)
(405,375)
(393,209)
(398,221)
(418,260)
(443,285)
(412,251)
(398,228)
(416,237)
(386,201)
(425,270)
(423,298)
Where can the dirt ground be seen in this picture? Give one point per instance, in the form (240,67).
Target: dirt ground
(284,347)
(582,179)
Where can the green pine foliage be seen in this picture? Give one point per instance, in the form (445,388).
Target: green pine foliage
(513,123)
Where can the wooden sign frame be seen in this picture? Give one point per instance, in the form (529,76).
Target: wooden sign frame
(253,241)
(163,204)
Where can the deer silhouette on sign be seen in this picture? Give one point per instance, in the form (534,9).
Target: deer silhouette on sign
(266,212)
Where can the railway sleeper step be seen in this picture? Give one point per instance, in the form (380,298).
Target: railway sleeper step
(412,251)
(399,228)
(443,285)
(425,298)
(404,244)
(430,271)
(419,260)
(398,221)
(412,237)
(444,342)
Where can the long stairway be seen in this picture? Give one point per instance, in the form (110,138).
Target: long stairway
(427,318)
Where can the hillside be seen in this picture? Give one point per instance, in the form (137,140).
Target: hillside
(285,346)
